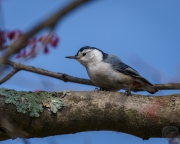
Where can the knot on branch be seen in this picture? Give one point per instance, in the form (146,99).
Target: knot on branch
(64,77)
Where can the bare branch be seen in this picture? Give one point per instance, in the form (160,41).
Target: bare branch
(168,86)
(50,22)
(68,78)
(8,76)
(61,76)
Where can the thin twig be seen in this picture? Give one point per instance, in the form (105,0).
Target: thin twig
(61,76)
(8,76)
(68,78)
(50,22)
(167,86)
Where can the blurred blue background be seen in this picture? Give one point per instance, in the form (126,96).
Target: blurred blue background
(144,34)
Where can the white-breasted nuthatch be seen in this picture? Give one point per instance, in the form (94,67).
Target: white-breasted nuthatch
(109,73)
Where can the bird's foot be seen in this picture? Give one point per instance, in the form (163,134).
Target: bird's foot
(128,92)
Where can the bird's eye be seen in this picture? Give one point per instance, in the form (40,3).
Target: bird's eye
(83,54)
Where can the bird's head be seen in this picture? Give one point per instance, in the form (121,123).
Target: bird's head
(88,55)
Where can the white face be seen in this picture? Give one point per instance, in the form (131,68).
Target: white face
(89,56)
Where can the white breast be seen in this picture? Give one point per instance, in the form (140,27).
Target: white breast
(102,75)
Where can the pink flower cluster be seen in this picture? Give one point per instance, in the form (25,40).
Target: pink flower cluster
(33,45)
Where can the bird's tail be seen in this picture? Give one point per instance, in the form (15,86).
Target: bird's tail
(150,89)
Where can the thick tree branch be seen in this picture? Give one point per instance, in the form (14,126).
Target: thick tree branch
(50,22)
(142,116)
(68,78)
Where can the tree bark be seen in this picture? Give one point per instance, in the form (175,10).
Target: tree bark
(138,115)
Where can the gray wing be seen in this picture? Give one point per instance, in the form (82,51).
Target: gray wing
(118,65)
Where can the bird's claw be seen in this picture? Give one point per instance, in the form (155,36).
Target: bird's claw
(128,92)
(99,89)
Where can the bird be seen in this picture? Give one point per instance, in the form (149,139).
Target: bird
(109,72)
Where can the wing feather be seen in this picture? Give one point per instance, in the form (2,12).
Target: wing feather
(118,65)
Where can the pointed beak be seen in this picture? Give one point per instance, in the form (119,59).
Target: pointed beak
(72,57)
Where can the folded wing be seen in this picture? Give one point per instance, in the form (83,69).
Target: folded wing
(118,65)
